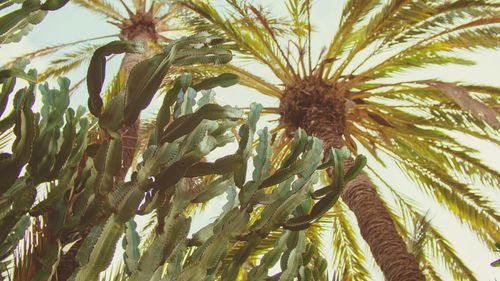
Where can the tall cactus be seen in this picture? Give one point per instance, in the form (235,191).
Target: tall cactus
(85,202)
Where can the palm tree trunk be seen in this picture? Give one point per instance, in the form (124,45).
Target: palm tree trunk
(68,263)
(130,135)
(375,223)
(379,231)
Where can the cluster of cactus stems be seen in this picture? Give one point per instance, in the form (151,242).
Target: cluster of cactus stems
(56,173)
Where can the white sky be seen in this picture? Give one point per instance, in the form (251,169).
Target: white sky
(73,23)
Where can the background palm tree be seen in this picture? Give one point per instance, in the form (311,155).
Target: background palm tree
(352,95)
(137,20)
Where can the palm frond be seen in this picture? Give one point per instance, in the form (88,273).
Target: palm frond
(115,87)
(68,62)
(116,272)
(367,34)
(431,244)
(77,85)
(5,139)
(52,49)
(420,20)
(353,13)
(240,27)
(429,106)
(432,18)
(431,273)
(29,252)
(348,258)
(467,204)
(439,246)
(470,35)
(139,5)
(102,7)
(427,168)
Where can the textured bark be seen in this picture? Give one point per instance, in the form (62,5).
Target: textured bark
(68,263)
(376,225)
(131,134)
(379,231)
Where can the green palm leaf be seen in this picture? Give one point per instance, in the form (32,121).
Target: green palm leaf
(348,258)
(68,61)
(102,7)
(430,245)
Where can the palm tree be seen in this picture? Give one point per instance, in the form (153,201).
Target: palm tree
(143,23)
(353,96)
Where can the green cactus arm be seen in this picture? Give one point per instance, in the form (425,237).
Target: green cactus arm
(67,175)
(359,164)
(107,164)
(222,80)
(144,80)
(191,141)
(13,193)
(97,69)
(188,123)
(12,73)
(83,201)
(186,97)
(262,161)
(174,232)
(286,208)
(88,244)
(147,76)
(51,5)
(111,119)
(215,249)
(175,260)
(54,106)
(25,132)
(64,183)
(307,164)
(295,258)
(204,55)
(24,198)
(269,259)
(130,244)
(164,113)
(215,188)
(171,175)
(299,143)
(16,234)
(223,165)
(9,21)
(68,140)
(102,251)
(231,272)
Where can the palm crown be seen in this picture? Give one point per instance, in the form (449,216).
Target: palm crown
(344,98)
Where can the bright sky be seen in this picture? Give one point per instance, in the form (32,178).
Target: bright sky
(73,23)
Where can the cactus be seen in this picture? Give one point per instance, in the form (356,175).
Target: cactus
(85,204)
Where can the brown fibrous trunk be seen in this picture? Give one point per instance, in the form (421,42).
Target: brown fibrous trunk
(316,107)
(140,27)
